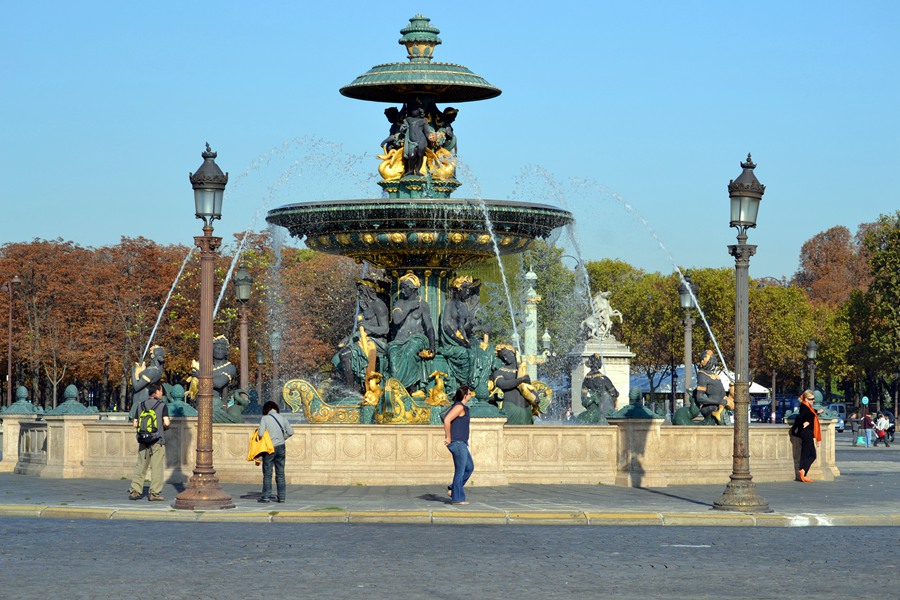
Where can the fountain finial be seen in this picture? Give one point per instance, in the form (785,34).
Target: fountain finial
(420,38)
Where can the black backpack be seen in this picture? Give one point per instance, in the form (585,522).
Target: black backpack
(148,428)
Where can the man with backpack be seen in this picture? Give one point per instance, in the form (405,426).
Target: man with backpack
(151,419)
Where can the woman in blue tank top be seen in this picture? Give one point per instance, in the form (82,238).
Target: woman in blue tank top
(456,438)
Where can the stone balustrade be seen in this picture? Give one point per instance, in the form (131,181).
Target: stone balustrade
(629,452)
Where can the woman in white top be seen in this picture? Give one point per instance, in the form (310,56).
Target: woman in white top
(881,427)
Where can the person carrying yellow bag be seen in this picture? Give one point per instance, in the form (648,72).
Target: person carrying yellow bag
(279,429)
(259,446)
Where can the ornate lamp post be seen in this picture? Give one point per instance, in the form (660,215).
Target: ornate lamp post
(204,491)
(745,193)
(812,349)
(8,286)
(687,292)
(242,284)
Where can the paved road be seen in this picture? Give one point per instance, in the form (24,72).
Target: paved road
(103,559)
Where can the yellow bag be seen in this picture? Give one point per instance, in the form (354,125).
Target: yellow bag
(259,446)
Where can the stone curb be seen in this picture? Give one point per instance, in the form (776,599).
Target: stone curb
(460,517)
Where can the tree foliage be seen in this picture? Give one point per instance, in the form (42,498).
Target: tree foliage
(831,266)
(86,315)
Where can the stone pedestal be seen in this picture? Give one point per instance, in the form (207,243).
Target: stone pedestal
(66,439)
(616,366)
(638,453)
(11,428)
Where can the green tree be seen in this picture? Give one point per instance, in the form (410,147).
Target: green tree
(882,244)
(651,323)
(781,322)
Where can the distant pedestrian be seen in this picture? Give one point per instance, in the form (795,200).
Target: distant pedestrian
(279,430)
(456,438)
(867,426)
(853,420)
(151,455)
(881,427)
(806,427)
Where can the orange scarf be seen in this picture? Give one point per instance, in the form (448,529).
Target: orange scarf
(817,429)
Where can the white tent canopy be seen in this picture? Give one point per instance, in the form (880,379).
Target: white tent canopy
(639,380)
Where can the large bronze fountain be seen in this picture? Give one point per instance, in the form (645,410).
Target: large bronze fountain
(418,334)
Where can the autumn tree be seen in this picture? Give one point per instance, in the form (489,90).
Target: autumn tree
(830,266)
(133,279)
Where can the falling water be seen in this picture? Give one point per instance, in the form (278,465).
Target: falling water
(356,316)
(668,255)
(163,309)
(325,157)
(490,227)
(561,200)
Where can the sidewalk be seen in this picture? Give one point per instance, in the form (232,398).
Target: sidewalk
(867,493)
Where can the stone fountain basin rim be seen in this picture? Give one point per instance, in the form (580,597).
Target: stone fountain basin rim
(418,203)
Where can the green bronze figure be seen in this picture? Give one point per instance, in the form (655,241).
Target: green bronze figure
(364,350)
(517,407)
(144,374)
(412,336)
(598,394)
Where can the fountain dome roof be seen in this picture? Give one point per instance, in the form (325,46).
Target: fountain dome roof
(444,82)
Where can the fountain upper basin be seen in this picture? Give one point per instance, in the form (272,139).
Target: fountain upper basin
(396,233)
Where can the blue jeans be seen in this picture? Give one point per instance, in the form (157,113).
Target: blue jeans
(276,459)
(868,437)
(462,470)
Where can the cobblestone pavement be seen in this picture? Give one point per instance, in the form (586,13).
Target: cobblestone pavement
(368,542)
(107,559)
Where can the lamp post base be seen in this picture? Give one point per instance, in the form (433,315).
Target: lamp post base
(203,493)
(741,496)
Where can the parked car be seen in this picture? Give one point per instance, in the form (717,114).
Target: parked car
(841,409)
(784,405)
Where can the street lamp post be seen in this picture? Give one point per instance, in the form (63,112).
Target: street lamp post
(812,349)
(204,491)
(745,194)
(10,385)
(687,292)
(243,282)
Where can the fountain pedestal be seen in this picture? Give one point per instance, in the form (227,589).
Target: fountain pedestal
(616,365)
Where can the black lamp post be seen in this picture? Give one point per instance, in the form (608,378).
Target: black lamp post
(745,193)
(204,491)
(812,349)
(10,384)
(243,282)
(687,293)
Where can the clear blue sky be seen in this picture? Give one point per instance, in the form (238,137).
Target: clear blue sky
(107,106)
